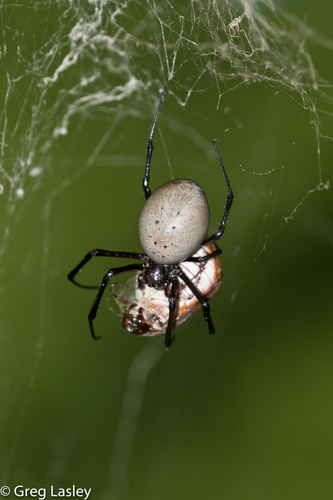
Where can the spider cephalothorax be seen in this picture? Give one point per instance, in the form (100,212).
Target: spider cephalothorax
(156,275)
(180,269)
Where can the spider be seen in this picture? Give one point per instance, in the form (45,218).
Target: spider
(173,226)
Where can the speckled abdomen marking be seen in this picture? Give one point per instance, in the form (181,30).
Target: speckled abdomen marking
(174,221)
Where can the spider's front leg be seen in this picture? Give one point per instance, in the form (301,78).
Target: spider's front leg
(172,296)
(201,298)
(105,281)
(97,252)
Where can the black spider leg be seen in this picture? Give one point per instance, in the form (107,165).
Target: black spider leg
(111,272)
(230,197)
(172,296)
(204,258)
(201,298)
(101,253)
(150,148)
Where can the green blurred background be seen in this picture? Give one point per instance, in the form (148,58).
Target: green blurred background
(246,413)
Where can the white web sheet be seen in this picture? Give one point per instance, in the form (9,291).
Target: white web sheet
(90,58)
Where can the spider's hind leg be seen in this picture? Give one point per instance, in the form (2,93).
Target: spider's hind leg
(150,148)
(230,197)
(204,258)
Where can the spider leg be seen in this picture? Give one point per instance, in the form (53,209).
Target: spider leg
(168,339)
(230,197)
(101,253)
(204,258)
(150,147)
(111,272)
(201,298)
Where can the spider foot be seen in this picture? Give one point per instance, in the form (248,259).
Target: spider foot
(169,341)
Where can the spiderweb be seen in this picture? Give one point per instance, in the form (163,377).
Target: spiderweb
(67,66)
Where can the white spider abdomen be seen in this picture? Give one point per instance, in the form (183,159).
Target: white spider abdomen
(174,221)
